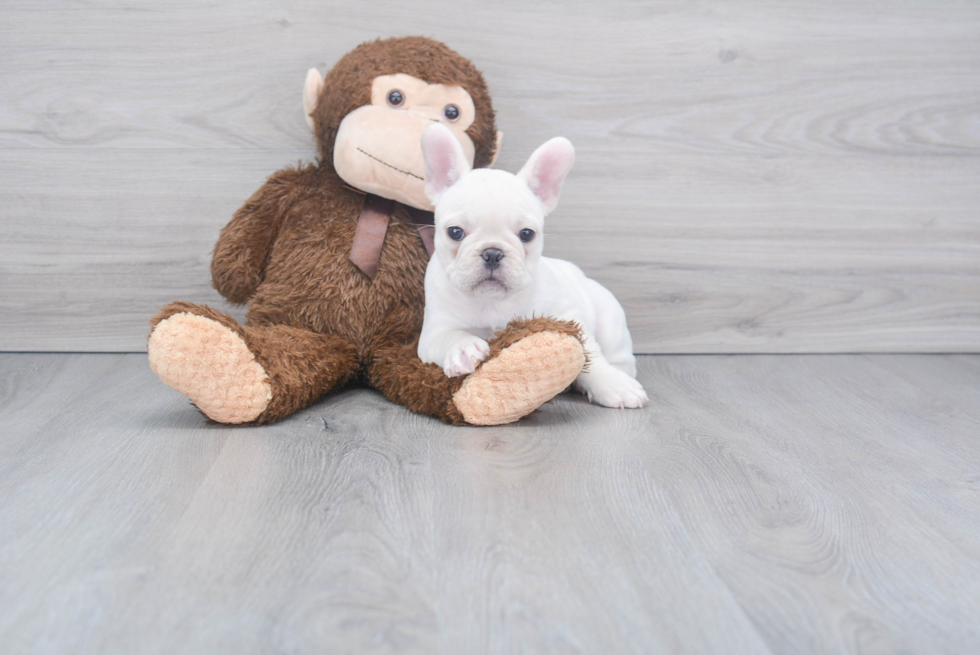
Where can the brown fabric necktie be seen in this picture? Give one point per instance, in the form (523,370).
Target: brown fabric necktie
(372,224)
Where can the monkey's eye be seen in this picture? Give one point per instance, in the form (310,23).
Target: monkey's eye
(456,233)
(526,235)
(451,112)
(396,98)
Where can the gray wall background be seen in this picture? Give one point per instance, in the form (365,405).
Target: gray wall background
(751,177)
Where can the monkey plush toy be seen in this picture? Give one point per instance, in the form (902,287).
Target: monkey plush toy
(331,259)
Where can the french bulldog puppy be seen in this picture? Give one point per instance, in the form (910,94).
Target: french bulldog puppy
(487,268)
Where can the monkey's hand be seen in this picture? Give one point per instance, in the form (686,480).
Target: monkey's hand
(240,256)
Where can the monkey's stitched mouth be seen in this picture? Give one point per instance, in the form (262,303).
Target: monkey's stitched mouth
(394,168)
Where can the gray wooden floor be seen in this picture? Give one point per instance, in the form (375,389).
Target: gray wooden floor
(770,504)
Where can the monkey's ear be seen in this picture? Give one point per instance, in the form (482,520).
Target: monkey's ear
(496,149)
(546,170)
(311,93)
(445,161)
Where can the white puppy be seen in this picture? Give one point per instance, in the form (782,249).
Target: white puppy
(487,268)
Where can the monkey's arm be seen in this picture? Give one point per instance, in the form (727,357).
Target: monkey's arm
(240,256)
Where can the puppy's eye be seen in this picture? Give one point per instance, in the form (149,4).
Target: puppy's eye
(526,235)
(396,98)
(451,112)
(456,233)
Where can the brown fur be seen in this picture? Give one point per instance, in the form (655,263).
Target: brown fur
(314,321)
(302,366)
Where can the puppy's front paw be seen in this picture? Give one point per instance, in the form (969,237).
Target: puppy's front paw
(464,356)
(613,388)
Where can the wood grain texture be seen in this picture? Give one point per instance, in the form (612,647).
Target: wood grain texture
(761,504)
(759,177)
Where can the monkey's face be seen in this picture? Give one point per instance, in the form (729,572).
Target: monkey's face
(378,147)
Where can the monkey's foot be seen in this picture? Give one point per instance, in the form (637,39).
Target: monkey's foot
(522,372)
(209,363)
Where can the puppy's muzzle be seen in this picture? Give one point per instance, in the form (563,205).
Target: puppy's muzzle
(492,257)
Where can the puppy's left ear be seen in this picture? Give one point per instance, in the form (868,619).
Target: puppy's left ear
(445,161)
(546,170)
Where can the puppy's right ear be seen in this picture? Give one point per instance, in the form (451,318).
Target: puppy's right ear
(445,161)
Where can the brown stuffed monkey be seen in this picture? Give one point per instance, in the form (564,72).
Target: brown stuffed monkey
(331,257)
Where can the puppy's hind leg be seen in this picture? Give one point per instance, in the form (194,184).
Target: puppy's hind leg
(608,385)
(611,332)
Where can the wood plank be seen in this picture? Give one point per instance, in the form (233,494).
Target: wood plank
(761,78)
(761,504)
(771,177)
(94,242)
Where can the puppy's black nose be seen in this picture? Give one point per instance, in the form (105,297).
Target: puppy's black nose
(492,257)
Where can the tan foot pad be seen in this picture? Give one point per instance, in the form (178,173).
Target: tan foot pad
(211,365)
(520,379)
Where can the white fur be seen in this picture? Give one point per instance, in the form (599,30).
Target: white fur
(466,302)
